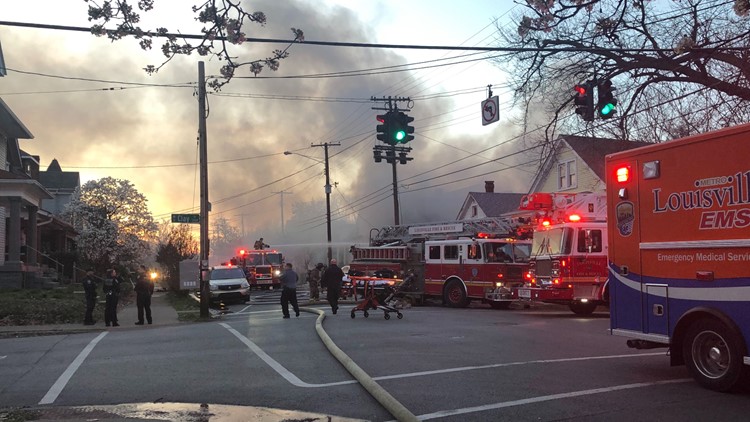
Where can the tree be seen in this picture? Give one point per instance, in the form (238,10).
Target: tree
(223,20)
(669,82)
(112,220)
(176,244)
(224,238)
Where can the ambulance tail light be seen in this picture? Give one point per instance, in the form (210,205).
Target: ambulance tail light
(622,174)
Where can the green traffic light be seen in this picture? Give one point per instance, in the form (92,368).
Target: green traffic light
(400,135)
(606,109)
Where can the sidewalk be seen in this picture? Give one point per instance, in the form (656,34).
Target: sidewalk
(161,311)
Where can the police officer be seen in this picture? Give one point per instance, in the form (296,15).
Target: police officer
(111,288)
(89,287)
(144,288)
(332,277)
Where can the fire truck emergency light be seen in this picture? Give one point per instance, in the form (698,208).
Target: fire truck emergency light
(574,218)
(623,174)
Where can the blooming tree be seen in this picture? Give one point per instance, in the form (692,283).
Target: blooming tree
(223,24)
(176,243)
(112,220)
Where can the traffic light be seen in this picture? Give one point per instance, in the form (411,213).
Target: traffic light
(384,128)
(584,101)
(606,101)
(402,131)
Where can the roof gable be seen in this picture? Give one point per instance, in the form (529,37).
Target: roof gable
(593,150)
(495,204)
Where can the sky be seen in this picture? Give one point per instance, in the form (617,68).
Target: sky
(75,93)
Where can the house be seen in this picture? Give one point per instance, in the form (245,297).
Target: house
(21,196)
(577,164)
(488,203)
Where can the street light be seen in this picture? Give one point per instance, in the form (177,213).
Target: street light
(328,190)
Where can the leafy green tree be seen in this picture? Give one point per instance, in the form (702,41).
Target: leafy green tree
(223,24)
(679,67)
(113,222)
(177,244)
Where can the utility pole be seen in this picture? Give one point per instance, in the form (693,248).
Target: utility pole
(282,193)
(325,146)
(205,205)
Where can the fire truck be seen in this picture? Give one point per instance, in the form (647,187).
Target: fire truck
(457,262)
(679,243)
(568,263)
(262,267)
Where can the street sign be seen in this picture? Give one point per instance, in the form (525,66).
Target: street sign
(490,113)
(186,218)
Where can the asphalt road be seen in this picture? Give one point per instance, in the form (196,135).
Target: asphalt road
(474,364)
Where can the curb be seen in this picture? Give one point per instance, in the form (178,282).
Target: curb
(398,410)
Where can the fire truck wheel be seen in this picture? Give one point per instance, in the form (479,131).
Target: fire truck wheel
(582,308)
(454,295)
(713,354)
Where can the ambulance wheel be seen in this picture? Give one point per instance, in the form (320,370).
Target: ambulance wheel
(386,316)
(454,295)
(713,354)
(399,315)
(582,309)
(367,314)
(352,315)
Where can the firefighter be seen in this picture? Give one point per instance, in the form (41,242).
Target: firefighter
(314,280)
(259,244)
(332,280)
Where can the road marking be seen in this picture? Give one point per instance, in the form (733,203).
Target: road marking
(522,402)
(500,365)
(3,357)
(61,382)
(281,370)
(276,366)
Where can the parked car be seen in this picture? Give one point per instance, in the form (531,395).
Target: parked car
(228,284)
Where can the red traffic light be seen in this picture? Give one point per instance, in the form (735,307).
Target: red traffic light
(580,89)
(380,118)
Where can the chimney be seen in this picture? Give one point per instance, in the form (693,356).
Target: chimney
(489,186)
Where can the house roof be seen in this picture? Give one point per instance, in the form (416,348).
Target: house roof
(593,150)
(495,204)
(10,125)
(55,178)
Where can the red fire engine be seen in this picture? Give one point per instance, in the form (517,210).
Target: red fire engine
(569,250)
(262,267)
(457,261)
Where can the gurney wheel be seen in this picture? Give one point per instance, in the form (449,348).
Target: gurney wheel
(352,315)
(367,314)
(386,316)
(399,315)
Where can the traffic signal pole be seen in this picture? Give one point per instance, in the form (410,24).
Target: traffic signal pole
(396,219)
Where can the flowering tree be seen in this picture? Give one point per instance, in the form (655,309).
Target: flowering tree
(679,67)
(223,20)
(112,220)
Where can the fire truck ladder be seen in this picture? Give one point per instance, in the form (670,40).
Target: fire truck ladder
(403,234)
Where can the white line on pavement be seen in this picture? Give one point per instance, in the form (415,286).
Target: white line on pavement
(276,366)
(500,365)
(521,402)
(61,382)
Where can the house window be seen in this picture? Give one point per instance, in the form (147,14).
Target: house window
(473,210)
(566,175)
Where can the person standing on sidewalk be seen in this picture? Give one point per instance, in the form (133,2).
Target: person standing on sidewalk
(144,288)
(289,290)
(111,289)
(332,277)
(89,287)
